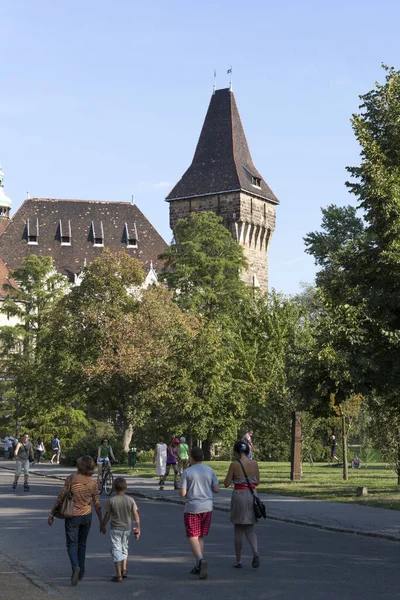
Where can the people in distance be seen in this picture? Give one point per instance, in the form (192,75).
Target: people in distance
(104,454)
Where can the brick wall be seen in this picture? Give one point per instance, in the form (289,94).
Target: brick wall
(250,220)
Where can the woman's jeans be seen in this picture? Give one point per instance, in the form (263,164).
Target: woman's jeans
(76,531)
(39,454)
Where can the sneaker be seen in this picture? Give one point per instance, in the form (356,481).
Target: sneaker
(26,487)
(14,485)
(256,561)
(195,571)
(203,569)
(75,576)
(51,462)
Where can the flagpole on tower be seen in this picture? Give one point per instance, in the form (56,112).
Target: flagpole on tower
(215,81)
(229,72)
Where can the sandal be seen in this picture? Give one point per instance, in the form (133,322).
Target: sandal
(124,574)
(116,579)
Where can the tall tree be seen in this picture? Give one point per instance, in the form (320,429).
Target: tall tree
(22,346)
(203,266)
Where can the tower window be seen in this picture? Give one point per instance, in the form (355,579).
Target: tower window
(32,232)
(256,181)
(131,236)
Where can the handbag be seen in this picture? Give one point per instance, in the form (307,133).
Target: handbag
(260,512)
(66,508)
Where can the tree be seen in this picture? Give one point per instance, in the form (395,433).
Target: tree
(203,267)
(119,342)
(376,185)
(22,346)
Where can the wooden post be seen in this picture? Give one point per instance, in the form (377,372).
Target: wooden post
(295,471)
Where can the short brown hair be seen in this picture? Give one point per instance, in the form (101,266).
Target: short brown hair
(85,465)
(197,454)
(120,484)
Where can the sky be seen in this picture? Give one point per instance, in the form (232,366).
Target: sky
(101,100)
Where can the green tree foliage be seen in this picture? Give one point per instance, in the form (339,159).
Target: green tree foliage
(23,346)
(203,267)
(120,342)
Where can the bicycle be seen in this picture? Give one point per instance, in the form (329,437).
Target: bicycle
(308,456)
(107,479)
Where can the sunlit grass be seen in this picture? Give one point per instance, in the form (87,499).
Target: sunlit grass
(320,482)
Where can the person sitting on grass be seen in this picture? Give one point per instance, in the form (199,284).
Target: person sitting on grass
(356,462)
(121,509)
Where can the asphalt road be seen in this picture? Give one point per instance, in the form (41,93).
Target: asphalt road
(297,563)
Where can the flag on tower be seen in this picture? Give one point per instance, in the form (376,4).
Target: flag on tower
(229,71)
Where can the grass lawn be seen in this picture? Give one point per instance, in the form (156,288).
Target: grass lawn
(320,482)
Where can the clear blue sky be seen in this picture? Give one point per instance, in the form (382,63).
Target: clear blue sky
(103,99)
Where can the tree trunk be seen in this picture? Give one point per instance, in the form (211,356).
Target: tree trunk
(344,442)
(127,436)
(206,446)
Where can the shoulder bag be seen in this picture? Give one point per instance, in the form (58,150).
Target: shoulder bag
(260,511)
(66,508)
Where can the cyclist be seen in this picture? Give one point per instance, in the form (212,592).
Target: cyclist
(104,453)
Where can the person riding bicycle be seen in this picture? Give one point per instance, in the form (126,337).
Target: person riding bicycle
(104,453)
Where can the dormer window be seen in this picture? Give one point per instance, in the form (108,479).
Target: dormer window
(65,234)
(256,181)
(32,232)
(131,236)
(98,234)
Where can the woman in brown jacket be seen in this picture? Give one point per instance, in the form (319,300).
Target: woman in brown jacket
(77,527)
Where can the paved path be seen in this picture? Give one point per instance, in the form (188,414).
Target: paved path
(333,516)
(297,563)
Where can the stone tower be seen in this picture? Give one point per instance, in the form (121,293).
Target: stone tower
(223,179)
(5,204)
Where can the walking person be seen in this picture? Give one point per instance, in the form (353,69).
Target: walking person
(242,508)
(9,447)
(121,509)
(198,483)
(332,443)
(77,527)
(247,439)
(160,460)
(40,450)
(183,455)
(23,454)
(56,447)
(172,462)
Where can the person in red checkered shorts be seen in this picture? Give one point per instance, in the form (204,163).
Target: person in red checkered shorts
(198,482)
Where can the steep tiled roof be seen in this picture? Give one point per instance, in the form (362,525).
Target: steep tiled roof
(72,231)
(222,161)
(4,278)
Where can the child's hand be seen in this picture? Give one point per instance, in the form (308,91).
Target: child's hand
(136,533)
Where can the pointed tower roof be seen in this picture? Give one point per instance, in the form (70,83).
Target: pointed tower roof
(222,161)
(5,201)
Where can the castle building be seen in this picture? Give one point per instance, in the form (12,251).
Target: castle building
(223,179)
(5,204)
(74,232)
